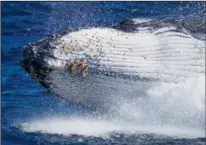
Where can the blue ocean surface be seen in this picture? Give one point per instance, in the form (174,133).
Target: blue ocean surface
(24,100)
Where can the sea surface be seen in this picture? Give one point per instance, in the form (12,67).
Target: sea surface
(31,115)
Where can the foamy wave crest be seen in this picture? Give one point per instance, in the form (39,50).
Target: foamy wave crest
(103,128)
(180,105)
(176,110)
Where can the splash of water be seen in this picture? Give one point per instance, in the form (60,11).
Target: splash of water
(167,109)
(103,128)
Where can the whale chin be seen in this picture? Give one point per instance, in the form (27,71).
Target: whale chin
(95,65)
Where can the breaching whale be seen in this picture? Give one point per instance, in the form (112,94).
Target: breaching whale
(95,65)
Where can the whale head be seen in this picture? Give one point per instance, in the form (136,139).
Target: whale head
(84,65)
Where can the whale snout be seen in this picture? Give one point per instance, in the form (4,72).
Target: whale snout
(34,61)
(29,62)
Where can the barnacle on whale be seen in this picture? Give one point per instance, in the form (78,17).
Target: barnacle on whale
(67,47)
(72,67)
(79,67)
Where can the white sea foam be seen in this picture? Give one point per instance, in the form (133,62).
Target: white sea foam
(102,128)
(169,109)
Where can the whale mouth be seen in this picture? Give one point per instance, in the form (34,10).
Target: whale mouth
(108,61)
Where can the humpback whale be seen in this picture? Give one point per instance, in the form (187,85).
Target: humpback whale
(95,65)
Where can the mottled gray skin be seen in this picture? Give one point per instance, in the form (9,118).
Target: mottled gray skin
(193,26)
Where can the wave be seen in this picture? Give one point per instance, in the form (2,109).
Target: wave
(104,128)
(175,110)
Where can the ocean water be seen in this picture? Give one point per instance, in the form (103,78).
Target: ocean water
(31,115)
